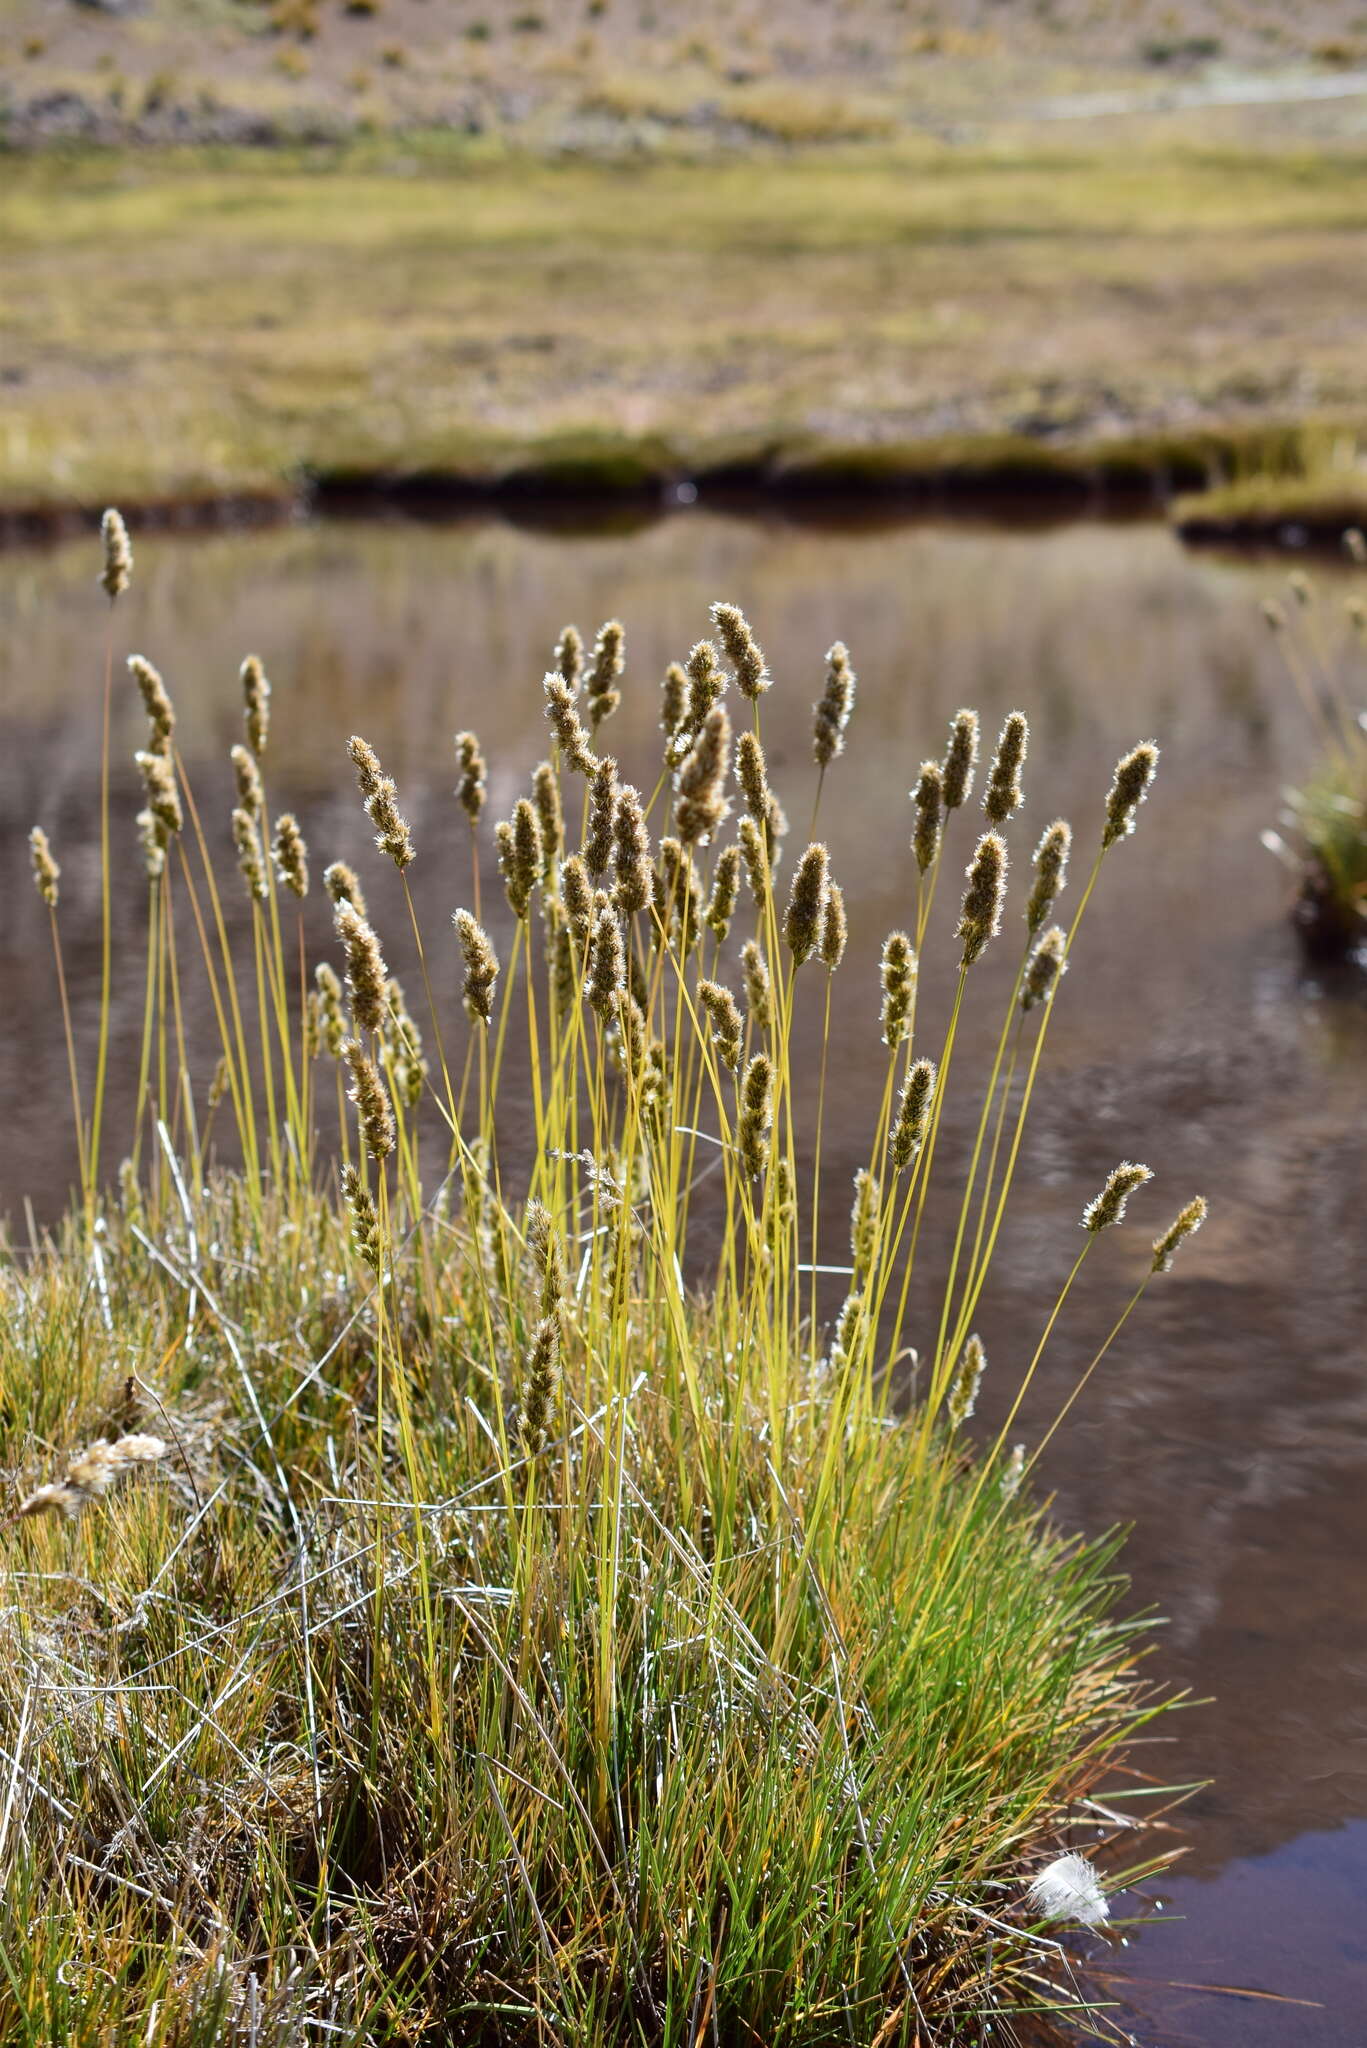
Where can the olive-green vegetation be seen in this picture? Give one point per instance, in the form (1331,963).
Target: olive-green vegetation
(522,1618)
(182,323)
(1326,818)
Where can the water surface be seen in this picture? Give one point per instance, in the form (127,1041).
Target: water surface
(1230,1423)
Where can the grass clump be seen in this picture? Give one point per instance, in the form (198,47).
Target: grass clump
(1326,818)
(543,1615)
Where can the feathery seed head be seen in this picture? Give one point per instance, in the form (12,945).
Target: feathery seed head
(981,916)
(1051,872)
(291,854)
(256,703)
(606,986)
(756,1115)
(635,875)
(365,1222)
(961,758)
(90,1476)
(567,725)
(913,1115)
(673,699)
(807,903)
(758,987)
(601,817)
(864,1215)
(474,776)
(343,885)
(750,839)
(576,893)
(118,554)
(381,798)
(1183,1224)
(152,838)
(724,1016)
(251,865)
(742,650)
(834,928)
(929,799)
(701,779)
(721,903)
(601,694)
(156,702)
(46,872)
(331,1021)
(367,1091)
(752,776)
(831,712)
(367,975)
(481,967)
(1109,1206)
(1013,1471)
(249,791)
(963,1390)
(899,987)
(540,1381)
(706,681)
(518,841)
(1134,773)
(1004,795)
(1047,963)
(1301,588)
(549,816)
(560,960)
(569,657)
(163,797)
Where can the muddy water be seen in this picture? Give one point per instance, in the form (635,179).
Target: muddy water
(1230,1423)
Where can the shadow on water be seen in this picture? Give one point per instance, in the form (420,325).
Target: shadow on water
(1230,1424)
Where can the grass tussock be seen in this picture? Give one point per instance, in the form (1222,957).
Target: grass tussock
(497,1600)
(1325,820)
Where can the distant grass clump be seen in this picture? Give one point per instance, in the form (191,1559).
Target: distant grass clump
(1326,818)
(470,1589)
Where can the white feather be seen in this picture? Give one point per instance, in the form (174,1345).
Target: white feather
(1069,1889)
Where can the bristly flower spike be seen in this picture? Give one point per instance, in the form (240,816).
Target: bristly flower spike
(549,815)
(929,799)
(602,816)
(343,886)
(1051,872)
(601,695)
(1047,963)
(567,725)
(961,758)
(1134,773)
(831,712)
(481,967)
(46,872)
(367,975)
(981,916)
(291,854)
(155,701)
(807,904)
(367,1091)
(256,703)
(701,780)
(963,1391)
(742,650)
(721,903)
(250,794)
(899,987)
(913,1115)
(381,801)
(474,776)
(631,858)
(1004,795)
(569,657)
(1182,1226)
(118,555)
(1109,1206)
(834,928)
(756,1115)
(673,700)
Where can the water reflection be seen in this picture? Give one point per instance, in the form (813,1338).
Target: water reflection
(1231,1423)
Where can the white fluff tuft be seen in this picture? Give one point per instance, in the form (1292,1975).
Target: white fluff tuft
(1069,1889)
